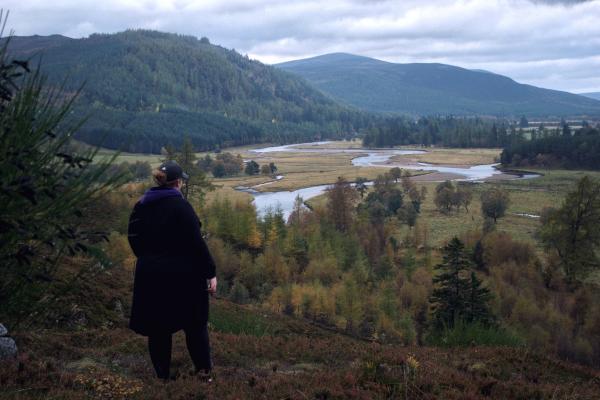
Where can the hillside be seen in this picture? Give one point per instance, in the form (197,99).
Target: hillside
(145,89)
(592,95)
(262,355)
(428,89)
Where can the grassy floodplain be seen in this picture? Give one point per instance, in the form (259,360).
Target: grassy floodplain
(299,170)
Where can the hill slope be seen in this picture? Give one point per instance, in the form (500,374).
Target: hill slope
(260,355)
(592,95)
(146,88)
(425,89)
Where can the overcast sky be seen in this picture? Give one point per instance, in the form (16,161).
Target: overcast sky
(548,43)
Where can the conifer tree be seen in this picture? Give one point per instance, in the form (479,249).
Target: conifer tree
(476,305)
(448,298)
(197,183)
(48,185)
(252,168)
(340,204)
(458,295)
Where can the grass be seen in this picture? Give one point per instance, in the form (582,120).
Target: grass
(153,159)
(474,334)
(230,193)
(458,156)
(228,320)
(444,226)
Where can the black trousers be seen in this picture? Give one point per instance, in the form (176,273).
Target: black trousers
(196,338)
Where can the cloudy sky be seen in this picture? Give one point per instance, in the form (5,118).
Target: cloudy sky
(548,43)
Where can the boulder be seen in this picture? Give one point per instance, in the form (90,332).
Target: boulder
(8,348)
(3,330)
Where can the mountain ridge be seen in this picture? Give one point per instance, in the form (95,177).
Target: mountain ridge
(145,89)
(432,88)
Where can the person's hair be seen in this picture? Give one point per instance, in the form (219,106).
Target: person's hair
(161,179)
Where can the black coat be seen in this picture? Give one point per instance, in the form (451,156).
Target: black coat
(170,289)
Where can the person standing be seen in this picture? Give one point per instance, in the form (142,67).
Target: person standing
(174,273)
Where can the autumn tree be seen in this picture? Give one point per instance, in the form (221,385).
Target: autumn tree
(494,203)
(573,232)
(396,173)
(351,303)
(408,214)
(444,196)
(463,196)
(265,170)
(407,183)
(340,204)
(415,195)
(226,164)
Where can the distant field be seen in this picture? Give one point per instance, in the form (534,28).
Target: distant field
(153,159)
(442,227)
(529,196)
(459,156)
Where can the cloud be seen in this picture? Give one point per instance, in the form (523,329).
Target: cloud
(567,2)
(548,43)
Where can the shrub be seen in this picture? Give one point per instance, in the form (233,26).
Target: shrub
(239,294)
(500,248)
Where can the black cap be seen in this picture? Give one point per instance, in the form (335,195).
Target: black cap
(173,171)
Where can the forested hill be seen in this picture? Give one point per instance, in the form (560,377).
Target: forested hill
(433,89)
(146,88)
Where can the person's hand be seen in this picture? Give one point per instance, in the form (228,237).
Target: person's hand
(212,286)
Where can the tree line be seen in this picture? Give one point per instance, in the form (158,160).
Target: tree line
(440,131)
(558,149)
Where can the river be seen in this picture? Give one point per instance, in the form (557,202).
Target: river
(374,158)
